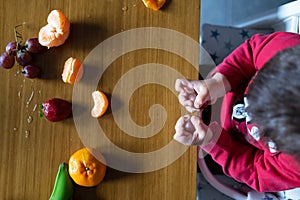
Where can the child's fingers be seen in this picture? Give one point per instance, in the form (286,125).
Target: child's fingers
(200,128)
(205,133)
(178,85)
(197,85)
(202,94)
(187,94)
(188,103)
(179,124)
(184,133)
(196,121)
(184,100)
(200,101)
(183,138)
(183,85)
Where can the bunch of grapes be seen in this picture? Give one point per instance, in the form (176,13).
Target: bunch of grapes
(22,54)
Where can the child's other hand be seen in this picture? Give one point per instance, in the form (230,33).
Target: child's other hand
(193,95)
(190,130)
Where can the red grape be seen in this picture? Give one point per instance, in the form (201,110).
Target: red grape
(11,48)
(23,57)
(31,71)
(7,61)
(32,45)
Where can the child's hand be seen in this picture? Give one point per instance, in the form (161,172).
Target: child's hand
(193,95)
(187,94)
(192,131)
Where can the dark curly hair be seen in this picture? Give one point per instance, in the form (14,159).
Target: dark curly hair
(274,100)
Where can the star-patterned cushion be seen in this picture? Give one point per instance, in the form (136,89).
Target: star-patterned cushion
(220,41)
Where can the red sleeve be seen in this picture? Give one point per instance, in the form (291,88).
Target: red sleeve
(241,65)
(258,169)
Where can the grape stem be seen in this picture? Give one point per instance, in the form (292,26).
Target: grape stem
(18,35)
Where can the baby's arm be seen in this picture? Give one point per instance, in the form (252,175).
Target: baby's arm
(258,169)
(245,163)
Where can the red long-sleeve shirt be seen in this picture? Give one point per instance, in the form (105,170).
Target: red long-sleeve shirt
(240,149)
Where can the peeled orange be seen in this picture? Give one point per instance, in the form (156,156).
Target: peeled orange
(154,4)
(57,19)
(73,70)
(56,31)
(100,104)
(87,167)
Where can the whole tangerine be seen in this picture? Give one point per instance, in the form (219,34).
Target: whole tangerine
(87,167)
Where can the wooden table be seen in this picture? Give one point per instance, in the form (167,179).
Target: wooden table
(32,148)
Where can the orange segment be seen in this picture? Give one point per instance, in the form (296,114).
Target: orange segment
(56,32)
(87,167)
(100,104)
(73,71)
(154,4)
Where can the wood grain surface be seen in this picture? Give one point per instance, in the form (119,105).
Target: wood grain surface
(32,148)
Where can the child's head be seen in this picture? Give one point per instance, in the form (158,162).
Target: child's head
(274,100)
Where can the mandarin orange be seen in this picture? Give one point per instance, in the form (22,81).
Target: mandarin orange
(87,167)
(56,32)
